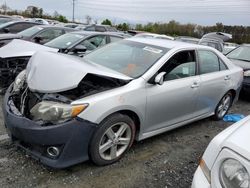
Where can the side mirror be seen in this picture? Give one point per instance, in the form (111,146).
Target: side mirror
(80,49)
(159,79)
(6,30)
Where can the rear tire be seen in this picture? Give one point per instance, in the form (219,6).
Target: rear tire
(223,106)
(112,139)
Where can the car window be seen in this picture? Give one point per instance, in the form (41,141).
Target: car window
(94,42)
(91,28)
(240,53)
(30,31)
(65,41)
(181,65)
(17,27)
(209,62)
(50,34)
(111,29)
(114,39)
(100,29)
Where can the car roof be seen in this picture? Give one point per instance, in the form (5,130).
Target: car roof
(18,21)
(165,43)
(52,26)
(88,33)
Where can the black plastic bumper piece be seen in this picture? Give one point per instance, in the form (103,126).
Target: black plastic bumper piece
(246,85)
(71,137)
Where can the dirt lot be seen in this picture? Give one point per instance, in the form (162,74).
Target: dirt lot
(168,160)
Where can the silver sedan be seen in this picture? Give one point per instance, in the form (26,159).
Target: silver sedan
(95,107)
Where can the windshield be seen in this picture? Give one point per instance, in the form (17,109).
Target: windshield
(64,41)
(6,24)
(240,53)
(127,57)
(30,31)
(4,20)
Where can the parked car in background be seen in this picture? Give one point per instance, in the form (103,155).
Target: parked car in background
(135,32)
(241,56)
(16,26)
(100,28)
(40,20)
(95,107)
(7,19)
(229,46)
(71,25)
(225,163)
(15,55)
(81,27)
(187,39)
(153,35)
(215,40)
(40,34)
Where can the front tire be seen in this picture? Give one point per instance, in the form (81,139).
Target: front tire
(223,106)
(112,139)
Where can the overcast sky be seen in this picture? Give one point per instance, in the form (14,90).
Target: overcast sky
(204,12)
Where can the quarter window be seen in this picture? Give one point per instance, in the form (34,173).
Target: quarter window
(209,62)
(181,65)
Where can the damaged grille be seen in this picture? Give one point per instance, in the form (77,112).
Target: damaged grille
(10,68)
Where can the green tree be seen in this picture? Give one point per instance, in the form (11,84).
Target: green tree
(62,18)
(123,27)
(34,12)
(106,22)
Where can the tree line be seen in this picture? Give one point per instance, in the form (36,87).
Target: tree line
(241,34)
(33,12)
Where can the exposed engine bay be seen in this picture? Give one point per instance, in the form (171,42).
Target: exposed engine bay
(25,101)
(10,68)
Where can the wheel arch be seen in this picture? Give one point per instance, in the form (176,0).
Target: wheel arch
(130,113)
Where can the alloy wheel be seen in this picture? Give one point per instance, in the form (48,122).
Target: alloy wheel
(115,141)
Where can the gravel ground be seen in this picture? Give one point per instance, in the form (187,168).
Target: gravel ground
(165,161)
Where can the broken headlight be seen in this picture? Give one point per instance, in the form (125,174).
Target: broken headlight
(54,112)
(19,81)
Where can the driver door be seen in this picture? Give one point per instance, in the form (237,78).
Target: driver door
(175,100)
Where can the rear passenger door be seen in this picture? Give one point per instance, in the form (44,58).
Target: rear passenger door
(215,77)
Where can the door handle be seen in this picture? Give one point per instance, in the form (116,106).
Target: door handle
(195,85)
(227,77)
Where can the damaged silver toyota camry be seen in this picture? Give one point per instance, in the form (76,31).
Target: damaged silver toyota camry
(64,110)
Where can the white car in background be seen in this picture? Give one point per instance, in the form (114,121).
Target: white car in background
(226,161)
(153,35)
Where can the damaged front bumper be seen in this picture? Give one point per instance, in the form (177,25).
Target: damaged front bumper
(70,138)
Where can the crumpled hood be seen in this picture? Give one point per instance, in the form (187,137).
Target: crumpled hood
(21,48)
(243,64)
(9,36)
(53,72)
